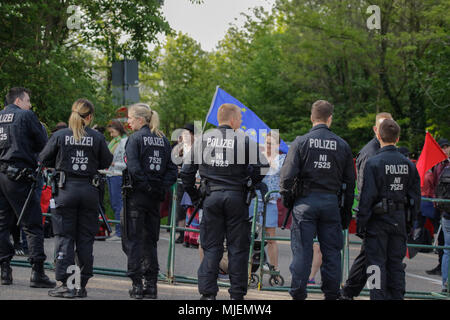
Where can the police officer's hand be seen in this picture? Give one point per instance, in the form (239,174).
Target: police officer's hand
(288,199)
(360,231)
(345,221)
(194,194)
(162,194)
(262,187)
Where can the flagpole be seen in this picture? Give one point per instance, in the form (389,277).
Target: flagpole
(210,108)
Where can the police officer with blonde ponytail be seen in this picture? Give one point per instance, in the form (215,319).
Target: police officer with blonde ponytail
(77,153)
(151,172)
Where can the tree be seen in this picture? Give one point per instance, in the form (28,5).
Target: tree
(38,50)
(180,88)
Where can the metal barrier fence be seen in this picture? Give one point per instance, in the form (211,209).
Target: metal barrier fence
(172,278)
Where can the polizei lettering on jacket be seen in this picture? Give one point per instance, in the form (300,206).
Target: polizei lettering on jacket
(220,143)
(396,169)
(84,141)
(6,118)
(322,144)
(153,141)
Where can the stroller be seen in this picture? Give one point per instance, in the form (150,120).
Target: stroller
(276,279)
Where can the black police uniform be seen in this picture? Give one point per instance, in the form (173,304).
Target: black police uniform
(75,218)
(357,277)
(148,159)
(390,180)
(322,162)
(225,211)
(22,137)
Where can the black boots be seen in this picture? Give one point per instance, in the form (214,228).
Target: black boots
(147,291)
(180,238)
(435,271)
(6,272)
(38,278)
(150,290)
(137,290)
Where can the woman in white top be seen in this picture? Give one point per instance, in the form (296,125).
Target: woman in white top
(272,180)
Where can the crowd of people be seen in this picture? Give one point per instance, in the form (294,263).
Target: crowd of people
(316,182)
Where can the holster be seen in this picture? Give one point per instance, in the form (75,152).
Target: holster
(409,216)
(345,217)
(301,188)
(250,192)
(387,206)
(52,178)
(127,186)
(97,179)
(61,178)
(204,189)
(17,174)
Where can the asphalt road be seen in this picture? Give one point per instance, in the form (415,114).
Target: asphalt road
(109,254)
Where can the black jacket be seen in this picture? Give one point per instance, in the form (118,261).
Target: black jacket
(22,137)
(368,151)
(83,158)
(323,160)
(388,175)
(148,159)
(227,158)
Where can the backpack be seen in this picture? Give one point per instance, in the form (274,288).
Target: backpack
(443,190)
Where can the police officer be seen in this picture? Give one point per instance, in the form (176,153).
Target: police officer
(226,159)
(151,172)
(391,184)
(357,277)
(22,137)
(77,153)
(322,162)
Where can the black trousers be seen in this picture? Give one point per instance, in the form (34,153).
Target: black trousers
(75,224)
(385,248)
(140,243)
(181,212)
(12,199)
(316,213)
(225,214)
(357,277)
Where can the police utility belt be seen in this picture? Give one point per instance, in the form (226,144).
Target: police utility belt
(62,177)
(206,187)
(17,174)
(388,206)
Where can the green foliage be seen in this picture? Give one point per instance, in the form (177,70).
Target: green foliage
(60,65)
(277,64)
(280,62)
(180,88)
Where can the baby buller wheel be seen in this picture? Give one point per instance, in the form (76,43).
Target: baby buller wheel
(276,281)
(254,280)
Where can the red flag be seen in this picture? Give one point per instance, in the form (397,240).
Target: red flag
(431,155)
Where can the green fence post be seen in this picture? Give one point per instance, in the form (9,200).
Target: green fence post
(263,240)
(171,253)
(252,242)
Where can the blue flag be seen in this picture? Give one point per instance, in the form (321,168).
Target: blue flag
(251,123)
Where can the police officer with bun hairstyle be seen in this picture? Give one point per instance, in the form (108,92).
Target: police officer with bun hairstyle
(317,166)
(228,162)
(151,172)
(390,199)
(22,137)
(77,153)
